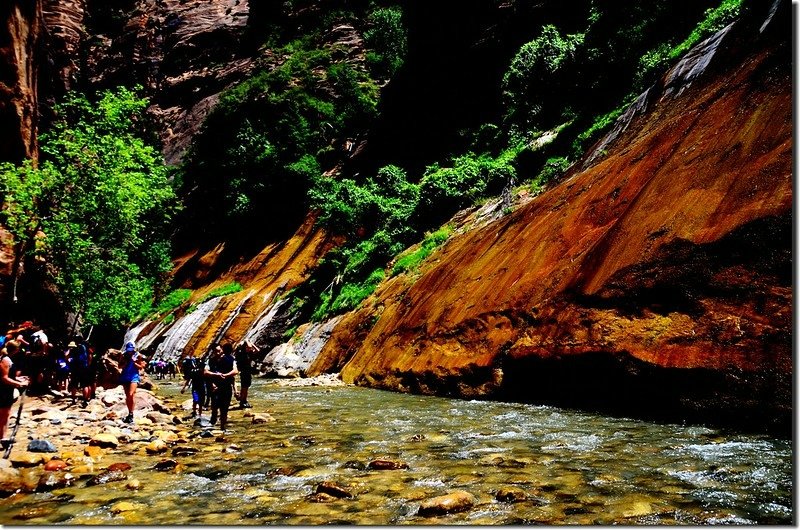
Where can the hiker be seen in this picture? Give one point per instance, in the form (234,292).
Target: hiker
(80,370)
(193,371)
(9,380)
(130,377)
(221,371)
(244,362)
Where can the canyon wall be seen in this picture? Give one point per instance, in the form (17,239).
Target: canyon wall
(655,278)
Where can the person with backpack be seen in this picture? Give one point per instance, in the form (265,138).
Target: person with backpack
(130,377)
(193,369)
(244,362)
(221,371)
(80,370)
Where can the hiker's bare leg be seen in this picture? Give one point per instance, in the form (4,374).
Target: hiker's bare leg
(130,392)
(4,414)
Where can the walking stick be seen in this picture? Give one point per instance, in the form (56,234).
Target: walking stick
(16,426)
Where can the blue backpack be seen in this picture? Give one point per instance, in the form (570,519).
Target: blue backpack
(80,359)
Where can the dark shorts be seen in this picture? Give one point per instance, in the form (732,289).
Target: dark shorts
(81,378)
(246,380)
(6,396)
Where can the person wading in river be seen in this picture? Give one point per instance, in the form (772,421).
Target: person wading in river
(9,380)
(221,371)
(193,371)
(130,377)
(244,362)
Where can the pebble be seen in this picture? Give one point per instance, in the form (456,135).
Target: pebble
(133,484)
(119,466)
(457,501)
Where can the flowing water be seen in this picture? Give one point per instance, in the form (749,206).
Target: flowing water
(571,468)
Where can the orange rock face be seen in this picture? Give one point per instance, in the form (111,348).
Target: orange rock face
(666,263)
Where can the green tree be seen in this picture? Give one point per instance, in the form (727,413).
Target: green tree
(103,201)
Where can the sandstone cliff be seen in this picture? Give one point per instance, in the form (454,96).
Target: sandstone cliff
(656,278)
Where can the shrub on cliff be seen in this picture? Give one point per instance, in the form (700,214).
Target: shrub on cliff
(387,40)
(101,202)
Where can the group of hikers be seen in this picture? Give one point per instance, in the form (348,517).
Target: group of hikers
(212,379)
(29,362)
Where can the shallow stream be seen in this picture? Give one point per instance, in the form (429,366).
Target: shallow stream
(570,467)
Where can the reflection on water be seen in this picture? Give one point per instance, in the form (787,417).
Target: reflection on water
(570,467)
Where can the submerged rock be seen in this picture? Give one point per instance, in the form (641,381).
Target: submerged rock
(107,476)
(384,464)
(334,489)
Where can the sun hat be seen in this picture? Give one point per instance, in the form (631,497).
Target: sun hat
(72,344)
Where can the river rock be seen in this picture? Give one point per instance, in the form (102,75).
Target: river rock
(133,484)
(185,451)
(334,489)
(119,466)
(126,506)
(94,452)
(107,476)
(55,465)
(51,481)
(262,417)
(166,465)
(10,480)
(34,512)
(27,460)
(511,495)
(156,446)
(458,501)
(384,464)
(105,440)
(321,497)
(41,446)
(167,436)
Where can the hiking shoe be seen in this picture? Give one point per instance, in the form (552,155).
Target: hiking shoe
(128,419)
(247,405)
(5,443)
(213,419)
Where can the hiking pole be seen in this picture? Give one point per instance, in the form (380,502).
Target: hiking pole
(16,425)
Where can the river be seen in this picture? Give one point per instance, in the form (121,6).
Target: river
(563,466)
